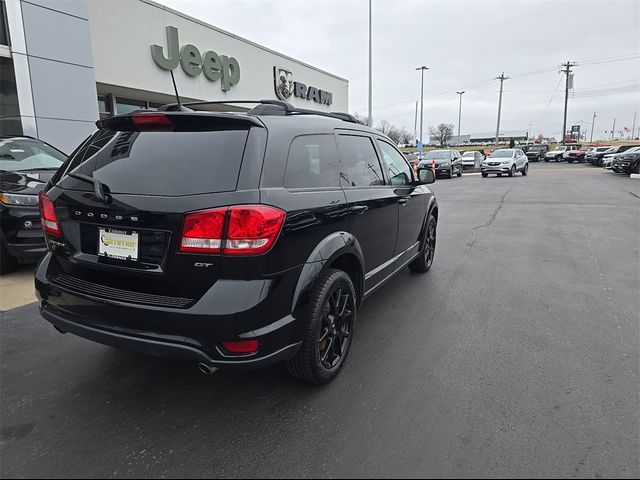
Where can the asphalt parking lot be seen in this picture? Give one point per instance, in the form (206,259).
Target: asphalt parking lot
(516,356)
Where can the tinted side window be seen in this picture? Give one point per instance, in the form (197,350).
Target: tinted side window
(312,162)
(359,164)
(399,170)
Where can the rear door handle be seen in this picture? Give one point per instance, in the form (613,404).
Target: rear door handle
(359,209)
(403,201)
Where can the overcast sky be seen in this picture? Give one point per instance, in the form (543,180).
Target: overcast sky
(466,44)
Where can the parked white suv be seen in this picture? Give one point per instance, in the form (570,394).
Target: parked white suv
(508,161)
(556,154)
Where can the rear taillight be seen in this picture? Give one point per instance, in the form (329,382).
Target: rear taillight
(252,229)
(238,230)
(50,222)
(202,232)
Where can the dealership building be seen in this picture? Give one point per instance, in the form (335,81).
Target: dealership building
(66,63)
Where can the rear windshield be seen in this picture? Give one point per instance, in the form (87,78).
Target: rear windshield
(438,155)
(162,163)
(536,148)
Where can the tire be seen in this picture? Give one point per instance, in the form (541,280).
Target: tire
(512,172)
(459,172)
(546,159)
(7,262)
(485,175)
(424,261)
(570,160)
(317,361)
(525,170)
(451,173)
(637,170)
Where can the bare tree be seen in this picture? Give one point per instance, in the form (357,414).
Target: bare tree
(390,130)
(442,133)
(406,136)
(362,119)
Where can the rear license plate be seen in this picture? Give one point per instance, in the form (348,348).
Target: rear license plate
(118,244)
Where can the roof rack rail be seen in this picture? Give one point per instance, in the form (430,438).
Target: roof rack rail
(266,107)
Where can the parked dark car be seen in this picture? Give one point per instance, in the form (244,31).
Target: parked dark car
(628,162)
(26,165)
(596,158)
(447,162)
(231,240)
(536,153)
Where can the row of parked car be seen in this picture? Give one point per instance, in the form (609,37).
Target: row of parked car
(620,158)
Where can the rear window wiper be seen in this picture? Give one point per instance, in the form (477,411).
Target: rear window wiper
(101,190)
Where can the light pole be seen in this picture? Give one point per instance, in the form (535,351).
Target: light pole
(459,114)
(593,122)
(422,68)
(370,122)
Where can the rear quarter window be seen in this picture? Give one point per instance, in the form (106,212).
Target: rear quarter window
(162,163)
(312,163)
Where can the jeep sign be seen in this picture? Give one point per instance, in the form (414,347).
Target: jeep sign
(215,67)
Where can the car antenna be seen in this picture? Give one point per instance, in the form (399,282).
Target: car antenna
(173,79)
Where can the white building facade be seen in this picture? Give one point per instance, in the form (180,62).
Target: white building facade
(66,63)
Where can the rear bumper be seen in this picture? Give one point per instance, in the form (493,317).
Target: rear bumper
(193,333)
(160,347)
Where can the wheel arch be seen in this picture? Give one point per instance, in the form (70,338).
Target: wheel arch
(338,250)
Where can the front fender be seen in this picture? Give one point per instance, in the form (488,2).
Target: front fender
(329,249)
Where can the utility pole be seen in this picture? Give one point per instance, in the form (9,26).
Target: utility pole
(502,78)
(459,115)
(567,71)
(613,129)
(422,68)
(633,129)
(593,122)
(370,122)
(415,123)
(529,133)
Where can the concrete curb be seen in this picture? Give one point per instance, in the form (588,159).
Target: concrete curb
(634,175)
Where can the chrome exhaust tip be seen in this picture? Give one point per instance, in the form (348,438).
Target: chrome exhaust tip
(207,369)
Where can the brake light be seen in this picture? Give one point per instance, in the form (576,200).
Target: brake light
(242,347)
(151,121)
(238,230)
(202,231)
(48,215)
(252,229)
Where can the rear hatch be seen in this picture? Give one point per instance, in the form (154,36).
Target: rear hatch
(121,202)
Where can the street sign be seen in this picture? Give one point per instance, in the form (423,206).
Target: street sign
(419,145)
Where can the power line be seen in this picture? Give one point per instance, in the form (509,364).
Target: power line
(548,104)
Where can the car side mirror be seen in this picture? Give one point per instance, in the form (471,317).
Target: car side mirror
(426,176)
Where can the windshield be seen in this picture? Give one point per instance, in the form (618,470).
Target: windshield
(468,154)
(536,148)
(561,149)
(602,149)
(502,154)
(438,155)
(26,154)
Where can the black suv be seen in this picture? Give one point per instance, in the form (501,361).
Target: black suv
(627,162)
(26,165)
(596,158)
(536,153)
(232,240)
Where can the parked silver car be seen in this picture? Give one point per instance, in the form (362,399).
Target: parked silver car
(472,159)
(508,161)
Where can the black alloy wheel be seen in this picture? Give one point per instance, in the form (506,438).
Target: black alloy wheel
(423,262)
(331,317)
